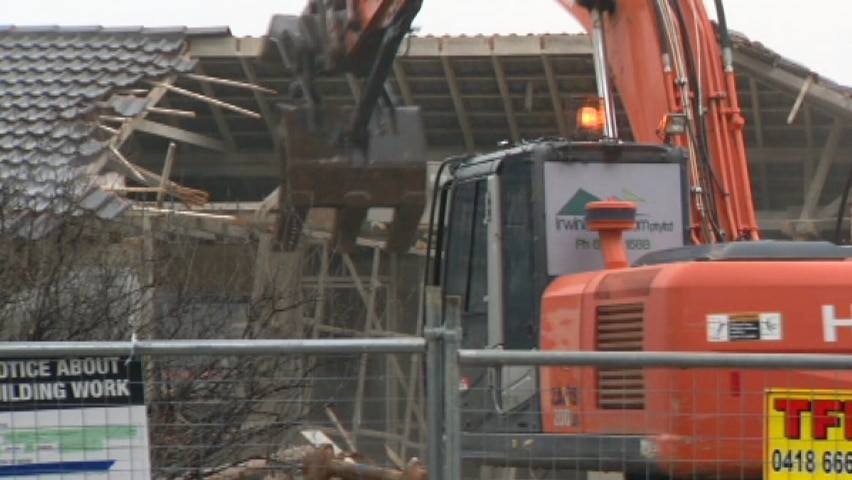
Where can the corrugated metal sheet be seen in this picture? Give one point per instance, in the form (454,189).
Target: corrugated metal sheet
(53,79)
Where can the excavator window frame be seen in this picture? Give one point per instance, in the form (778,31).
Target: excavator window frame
(467,261)
(470,190)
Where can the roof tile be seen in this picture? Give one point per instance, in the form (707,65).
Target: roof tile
(54,79)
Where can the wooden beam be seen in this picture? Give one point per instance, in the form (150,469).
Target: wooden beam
(172,112)
(207,99)
(402,81)
(268,117)
(799,99)
(755,108)
(180,135)
(458,103)
(809,128)
(818,182)
(555,96)
(166,175)
(109,130)
(172,120)
(230,83)
(127,164)
(153,97)
(189,224)
(825,98)
(503,85)
(216,110)
(809,160)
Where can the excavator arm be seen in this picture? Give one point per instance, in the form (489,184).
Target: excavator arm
(349,160)
(666,58)
(358,37)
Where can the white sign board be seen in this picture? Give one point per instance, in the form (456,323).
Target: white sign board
(73,418)
(655,188)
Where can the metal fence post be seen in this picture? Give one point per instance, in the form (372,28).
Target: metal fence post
(434,387)
(452,395)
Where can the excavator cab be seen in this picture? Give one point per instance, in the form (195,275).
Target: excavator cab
(513,243)
(510,222)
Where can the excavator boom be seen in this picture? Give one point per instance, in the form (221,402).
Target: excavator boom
(665,59)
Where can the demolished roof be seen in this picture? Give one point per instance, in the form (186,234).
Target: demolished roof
(754,58)
(58,85)
(474,92)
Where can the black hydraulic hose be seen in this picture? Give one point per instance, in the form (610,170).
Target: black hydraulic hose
(665,48)
(701,139)
(724,35)
(356,130)
(844,198)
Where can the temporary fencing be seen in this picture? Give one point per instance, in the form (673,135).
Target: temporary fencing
(221,409)
(655,415)
(291,409)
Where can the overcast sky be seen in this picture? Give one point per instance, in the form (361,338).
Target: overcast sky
(818,37)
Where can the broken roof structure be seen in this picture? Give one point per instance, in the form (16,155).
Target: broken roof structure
(60,87)
(85,101)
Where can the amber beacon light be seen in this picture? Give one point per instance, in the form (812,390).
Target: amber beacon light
(610,218)
(591,116)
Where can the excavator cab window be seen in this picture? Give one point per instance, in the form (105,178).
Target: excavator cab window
(521,290)
(484,211)
(477,289)
(488,259)
(456,258)
(481,216)
(465,259)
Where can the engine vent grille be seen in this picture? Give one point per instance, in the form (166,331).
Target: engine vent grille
(620,328)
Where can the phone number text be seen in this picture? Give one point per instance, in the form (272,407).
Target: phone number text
(810,461)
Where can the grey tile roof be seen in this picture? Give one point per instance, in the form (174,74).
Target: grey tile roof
(54,82)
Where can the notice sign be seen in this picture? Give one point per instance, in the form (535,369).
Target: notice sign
(808,435)
(732,327)
(74,418)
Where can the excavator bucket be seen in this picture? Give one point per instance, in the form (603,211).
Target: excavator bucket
(316,173)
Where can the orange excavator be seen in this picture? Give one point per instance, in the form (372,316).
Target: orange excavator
(598,245)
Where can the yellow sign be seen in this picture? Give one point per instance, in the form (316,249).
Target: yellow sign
(808,435)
